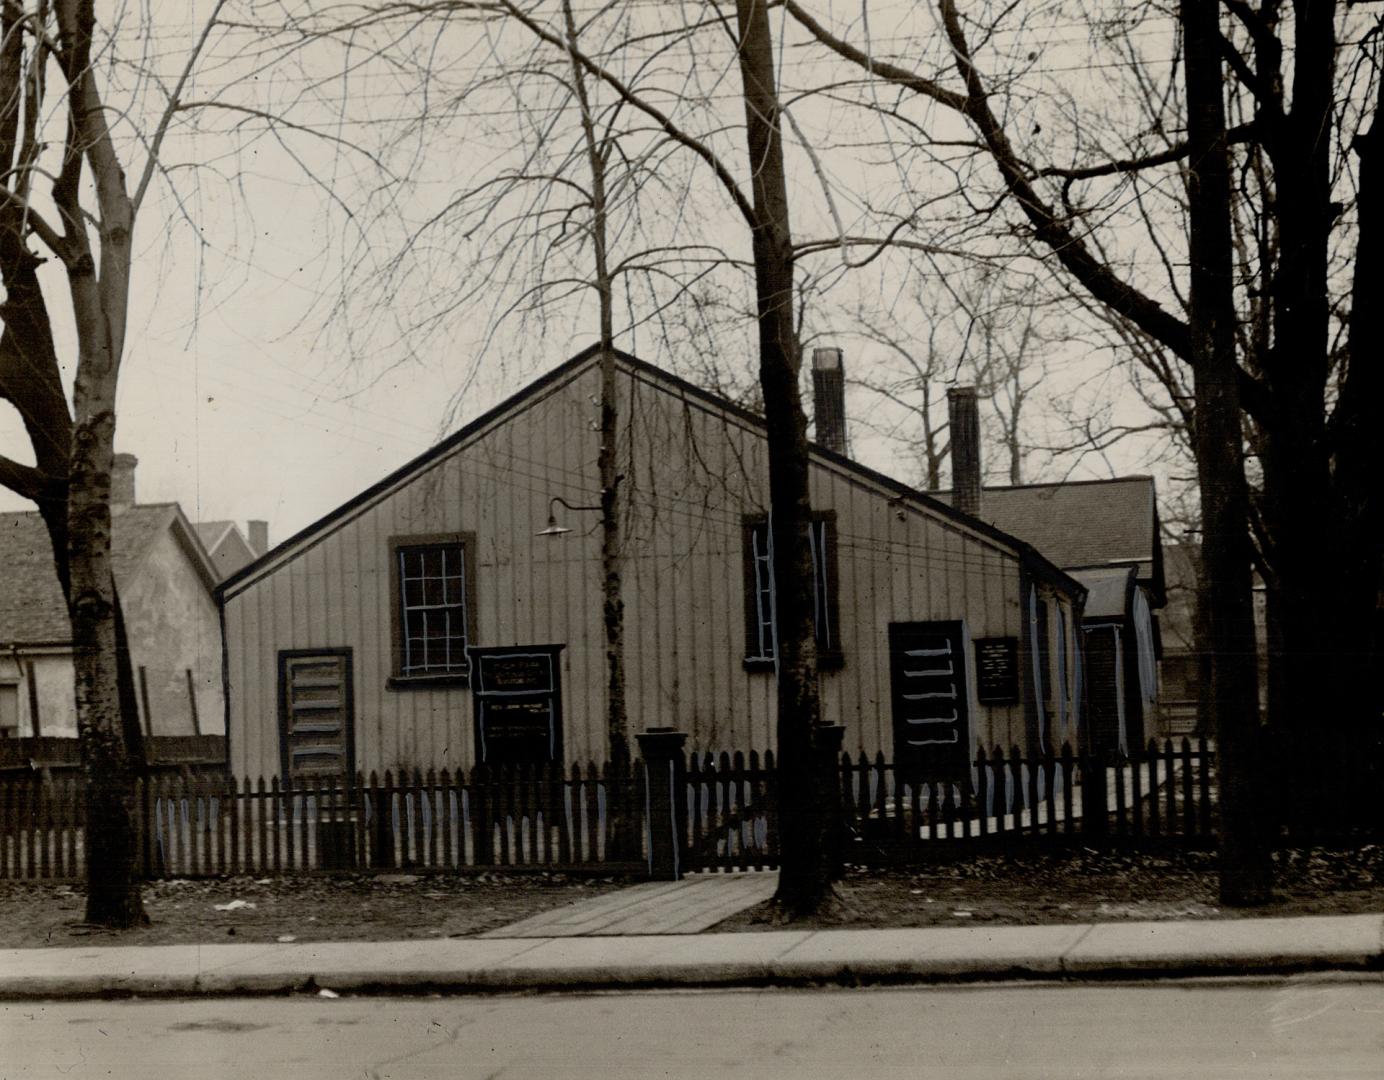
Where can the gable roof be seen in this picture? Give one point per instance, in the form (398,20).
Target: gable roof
(1085,524)
(212,533)
(32,610)
(225,545)
(1035,558)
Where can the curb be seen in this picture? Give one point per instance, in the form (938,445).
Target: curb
(1104,952)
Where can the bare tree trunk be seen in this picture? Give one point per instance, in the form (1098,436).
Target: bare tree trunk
(806,871)
(113,896)
(607,463)
(1246,869)
(99,286)
(1359,449)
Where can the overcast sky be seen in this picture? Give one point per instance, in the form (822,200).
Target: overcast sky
(237,393)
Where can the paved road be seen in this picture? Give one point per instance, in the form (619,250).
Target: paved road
(1293,1029)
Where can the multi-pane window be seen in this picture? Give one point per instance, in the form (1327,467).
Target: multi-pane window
(433,620)
(760,639)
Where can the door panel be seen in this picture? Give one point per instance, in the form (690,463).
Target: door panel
(315,713)
(929,698)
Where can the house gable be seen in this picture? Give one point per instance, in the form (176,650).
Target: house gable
(660,382)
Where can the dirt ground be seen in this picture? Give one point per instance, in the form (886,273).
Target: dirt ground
(363,908)
(1078,886)
(1087,886)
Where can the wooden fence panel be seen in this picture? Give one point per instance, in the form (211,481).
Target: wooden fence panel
(585,815)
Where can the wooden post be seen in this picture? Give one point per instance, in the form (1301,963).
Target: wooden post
(144,700)
(381,805)
(1095,808)
(665,772)
(192,701)
(34,726)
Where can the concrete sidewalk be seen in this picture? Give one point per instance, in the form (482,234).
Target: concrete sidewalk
(777,958)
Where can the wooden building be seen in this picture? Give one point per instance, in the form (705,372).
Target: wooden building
(1106,535)
(437,619)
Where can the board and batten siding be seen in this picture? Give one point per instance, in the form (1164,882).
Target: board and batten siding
(691,472)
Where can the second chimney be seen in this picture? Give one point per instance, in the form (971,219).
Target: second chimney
(829,398)
(259,536)
(965,448)
(123,480)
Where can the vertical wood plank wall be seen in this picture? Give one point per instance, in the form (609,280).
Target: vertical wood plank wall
(690,473)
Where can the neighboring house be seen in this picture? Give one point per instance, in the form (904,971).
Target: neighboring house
(228,548)
(452,612)
(165,580)
(1105,534)
(1180,666)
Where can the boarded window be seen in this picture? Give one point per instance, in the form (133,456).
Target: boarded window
(434,593)
(315,713)
(930,699)
(760,632)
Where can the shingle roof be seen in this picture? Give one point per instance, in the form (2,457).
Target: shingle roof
(31,604)
(1083,523)
(1087,523)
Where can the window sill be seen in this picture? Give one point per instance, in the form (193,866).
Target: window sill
(427,682)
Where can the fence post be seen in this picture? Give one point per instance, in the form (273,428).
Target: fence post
(1095,808)
(665,774)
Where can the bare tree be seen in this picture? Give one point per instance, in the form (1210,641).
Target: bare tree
(976,330)
(71,478)
(1246,869)
(1305,99)
(67,200)
(659,107)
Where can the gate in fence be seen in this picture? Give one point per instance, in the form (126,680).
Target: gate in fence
(1009,801)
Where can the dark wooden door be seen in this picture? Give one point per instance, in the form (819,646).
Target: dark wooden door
(517,695)
(929,699)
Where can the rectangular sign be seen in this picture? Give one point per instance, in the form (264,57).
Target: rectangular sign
(997,670)
(523,672)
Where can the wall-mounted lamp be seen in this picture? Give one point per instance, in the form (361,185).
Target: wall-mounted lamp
(554,529)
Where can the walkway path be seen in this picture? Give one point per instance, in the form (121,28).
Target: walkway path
(696,903)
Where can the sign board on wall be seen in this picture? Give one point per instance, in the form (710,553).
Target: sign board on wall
(997,670)
(517,695)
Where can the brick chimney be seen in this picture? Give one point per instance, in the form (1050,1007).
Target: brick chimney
(829,398)
(259,536)
(965,448)
(123,480)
